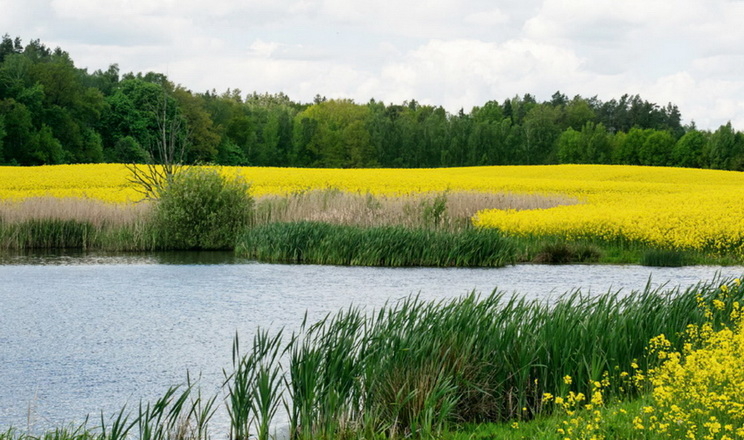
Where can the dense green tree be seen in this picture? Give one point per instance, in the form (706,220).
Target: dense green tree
(726,149)
(689,150)
(52,112)
(106,82)
(576,114)
(9,46)
(540,135)
(203,138)
(2,136)
(570,147)
(657,149)
(628,146)
(49,150)
(591,145)
(15,75)
(126,150)
(339,139)
(21,138)
(135,109)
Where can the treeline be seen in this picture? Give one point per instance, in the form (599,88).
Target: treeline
(52,112)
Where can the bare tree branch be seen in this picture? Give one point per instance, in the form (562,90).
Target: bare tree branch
(166,156)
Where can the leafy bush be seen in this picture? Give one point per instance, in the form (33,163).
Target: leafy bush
(201,209)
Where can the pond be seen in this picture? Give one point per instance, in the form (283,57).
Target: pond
(81,334)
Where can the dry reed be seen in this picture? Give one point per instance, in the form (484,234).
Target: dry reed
(95,212)
(452,209)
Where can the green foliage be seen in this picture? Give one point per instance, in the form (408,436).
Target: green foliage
(689,150)
(90,115)
(726,149)
(254,386)
(566,253)
(657,149)
(127,150)
(434,211)
(664,258)
(2,135)
(50,149)
(394,246)
(47,234)
(201,209)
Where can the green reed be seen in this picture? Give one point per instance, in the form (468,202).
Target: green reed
(394,246)
(47,234)
(254,387)
(414,367)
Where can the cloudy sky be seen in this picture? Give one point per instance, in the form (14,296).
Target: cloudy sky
(454,53)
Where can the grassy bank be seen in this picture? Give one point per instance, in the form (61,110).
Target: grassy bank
(417,369)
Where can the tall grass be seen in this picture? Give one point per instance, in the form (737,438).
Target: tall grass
(51,223)
(412,369)
(91,211)
(395,246)
(450,210)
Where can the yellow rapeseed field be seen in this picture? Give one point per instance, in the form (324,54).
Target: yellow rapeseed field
(669,207)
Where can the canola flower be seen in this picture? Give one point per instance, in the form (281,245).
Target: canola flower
(663,207)
(695,393)
(698,392)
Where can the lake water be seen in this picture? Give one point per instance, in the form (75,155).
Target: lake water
(90,333)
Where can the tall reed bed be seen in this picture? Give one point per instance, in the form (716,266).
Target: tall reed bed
(450,209)
(394,246)
(50,233)
(413,368)
(51,223)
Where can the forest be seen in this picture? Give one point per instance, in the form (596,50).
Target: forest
(52,112)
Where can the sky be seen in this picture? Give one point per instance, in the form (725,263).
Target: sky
(453,53)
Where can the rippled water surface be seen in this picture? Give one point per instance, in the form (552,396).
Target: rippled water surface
(85,333)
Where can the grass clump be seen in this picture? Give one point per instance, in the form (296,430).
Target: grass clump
(664,258)
(200,209)
(566,253)
(47,233)
(394,246)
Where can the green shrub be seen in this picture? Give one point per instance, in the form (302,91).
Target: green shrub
(201,209)
(566,253)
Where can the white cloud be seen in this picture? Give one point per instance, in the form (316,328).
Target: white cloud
(493,17)
(465,73)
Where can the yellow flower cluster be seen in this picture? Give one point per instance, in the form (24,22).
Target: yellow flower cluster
(696,393)
(667,207)
(699,392)
(584,416)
